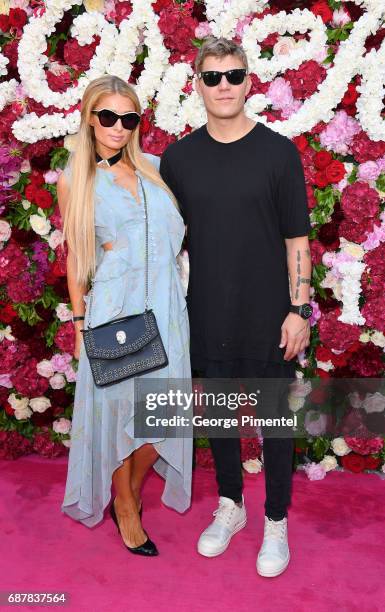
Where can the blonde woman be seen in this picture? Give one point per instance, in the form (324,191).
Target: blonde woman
(102,205)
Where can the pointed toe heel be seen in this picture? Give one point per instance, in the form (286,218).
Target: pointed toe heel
(147,549)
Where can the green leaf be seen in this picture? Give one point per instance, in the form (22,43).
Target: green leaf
(59,158)
(50,332)
(27,313)
(380,182)
(318,275)
(326,199)
(353,176)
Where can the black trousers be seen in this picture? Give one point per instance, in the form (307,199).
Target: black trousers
(277,452)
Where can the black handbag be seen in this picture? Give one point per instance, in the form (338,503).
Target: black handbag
(125,347)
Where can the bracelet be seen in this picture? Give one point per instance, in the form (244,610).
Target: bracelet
(77,318)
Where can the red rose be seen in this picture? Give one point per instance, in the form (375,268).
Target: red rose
(321,180)
(322,159)
(311,199)
(4,23)
(301,143)
(322,9)
(335,171)
(353,463)
(372,463)
(17,18)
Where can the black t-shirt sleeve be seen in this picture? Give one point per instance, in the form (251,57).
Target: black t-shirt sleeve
(291,195)
(167,171)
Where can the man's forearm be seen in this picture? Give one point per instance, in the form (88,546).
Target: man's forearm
(299,266)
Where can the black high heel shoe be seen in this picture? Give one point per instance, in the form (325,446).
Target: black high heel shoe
(147,549)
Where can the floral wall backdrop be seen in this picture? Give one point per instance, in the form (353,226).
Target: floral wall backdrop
(318,72)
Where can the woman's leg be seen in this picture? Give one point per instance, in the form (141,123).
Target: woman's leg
(126,506)
(143,458)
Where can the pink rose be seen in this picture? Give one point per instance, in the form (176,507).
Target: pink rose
(315,471)
(62,426)
(57,381)
(60,361)
(45,368)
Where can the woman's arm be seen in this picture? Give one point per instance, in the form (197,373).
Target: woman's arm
(76,291)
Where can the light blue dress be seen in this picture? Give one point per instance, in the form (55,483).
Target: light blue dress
(102,432)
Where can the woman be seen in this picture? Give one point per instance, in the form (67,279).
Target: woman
(102,205)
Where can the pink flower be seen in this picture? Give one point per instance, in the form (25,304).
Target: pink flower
(60,361)
(241,24)
(284,45)
(51,177)
(340,18)
(316,315)
(280,93)
(339,133)
(315,426)
(70,373)
(315,471)
(364,446)
(203,30)
(61,426)
(369,171)
(57,381)
(45,368)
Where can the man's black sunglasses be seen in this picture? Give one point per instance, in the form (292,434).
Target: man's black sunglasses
(211,78)
(108,118)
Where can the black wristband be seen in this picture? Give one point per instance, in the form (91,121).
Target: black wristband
(78,318)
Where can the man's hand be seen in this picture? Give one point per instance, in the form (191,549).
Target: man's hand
(295,335)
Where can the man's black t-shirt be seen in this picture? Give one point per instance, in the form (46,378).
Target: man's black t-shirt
(239,200)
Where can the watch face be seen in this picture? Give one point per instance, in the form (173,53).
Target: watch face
(306,311)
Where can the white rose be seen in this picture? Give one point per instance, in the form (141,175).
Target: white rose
(325,365)
(20,415)
(378,339)
(61,425)
(18,404)
(329,463)
(253,466)
(365,337)
(5,230)
(40,224)
(284,45)
(70,142)
(340,447)
(63,312)
(355,400)
(40,404)
(66,443)
(45,368)
(54,239)
(295,403)
(374,402)
(57,381)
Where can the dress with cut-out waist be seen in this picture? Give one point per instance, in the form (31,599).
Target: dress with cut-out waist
(102,432)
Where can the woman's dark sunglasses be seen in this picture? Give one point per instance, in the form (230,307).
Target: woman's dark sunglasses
(211,78)
(108,118)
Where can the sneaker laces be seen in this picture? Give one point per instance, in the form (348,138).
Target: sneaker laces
(224,513)
(275,529)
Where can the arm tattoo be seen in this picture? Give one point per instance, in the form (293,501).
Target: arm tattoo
(300,280)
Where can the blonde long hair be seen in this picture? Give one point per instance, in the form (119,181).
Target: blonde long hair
(78,223)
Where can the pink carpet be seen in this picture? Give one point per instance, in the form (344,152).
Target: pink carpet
(336,536)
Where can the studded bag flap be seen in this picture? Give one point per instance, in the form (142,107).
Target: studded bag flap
(125,347)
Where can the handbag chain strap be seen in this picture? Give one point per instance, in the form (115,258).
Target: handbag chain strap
(146,254)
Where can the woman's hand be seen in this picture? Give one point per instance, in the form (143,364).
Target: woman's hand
(78,338)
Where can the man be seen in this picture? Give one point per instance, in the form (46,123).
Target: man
(241,190)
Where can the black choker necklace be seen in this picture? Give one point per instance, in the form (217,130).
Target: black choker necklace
(110,161)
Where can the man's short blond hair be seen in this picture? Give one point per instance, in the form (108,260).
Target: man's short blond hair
(219,47)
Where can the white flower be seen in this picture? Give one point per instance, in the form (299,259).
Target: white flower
(295,403)
(374,402)
(62,426)
(378,339)
(5,230)
(45,368)
(20,415)
(6,333)
(54,239)
(63,312)
(340,447)
(253,466)
(19,404)
(355,400)
(40,404)
(329,463)
(66,443)
(40,224)
(57,381)
(325,365)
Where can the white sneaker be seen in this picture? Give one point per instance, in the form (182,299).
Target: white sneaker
(229,519)
(274,555)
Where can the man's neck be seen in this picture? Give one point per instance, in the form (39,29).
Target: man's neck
(229,130)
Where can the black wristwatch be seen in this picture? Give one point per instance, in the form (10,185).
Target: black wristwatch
(304,310)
